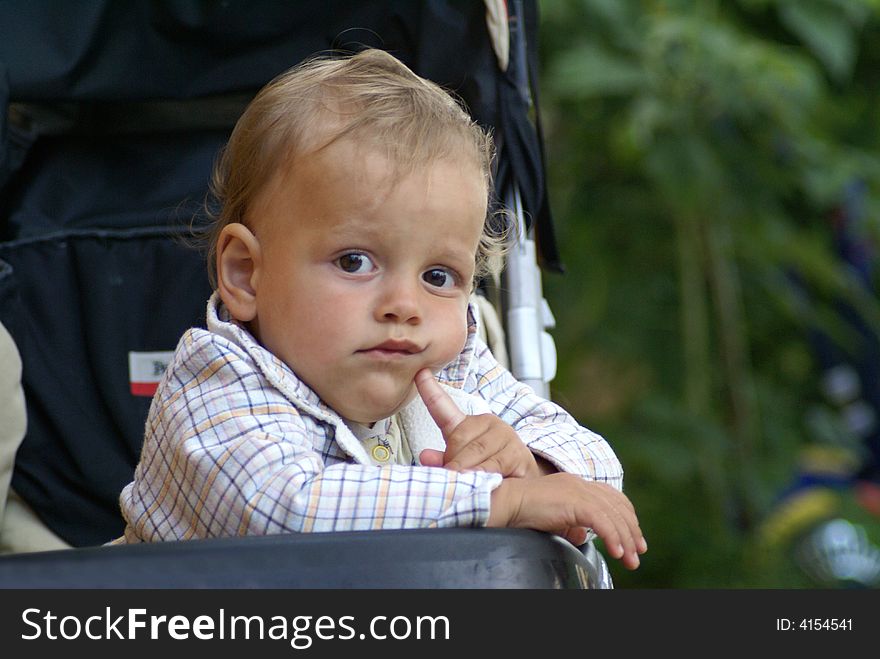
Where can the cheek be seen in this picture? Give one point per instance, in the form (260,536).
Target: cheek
(330,321)
(454,334)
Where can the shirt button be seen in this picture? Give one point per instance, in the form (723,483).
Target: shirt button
(381,453)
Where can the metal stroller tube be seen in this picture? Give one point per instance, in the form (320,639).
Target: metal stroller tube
(532,350)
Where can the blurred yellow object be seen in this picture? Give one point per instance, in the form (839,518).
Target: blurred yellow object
(796,514)
(823,459)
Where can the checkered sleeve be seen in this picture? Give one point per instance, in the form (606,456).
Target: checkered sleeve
(227,454)
(547,429)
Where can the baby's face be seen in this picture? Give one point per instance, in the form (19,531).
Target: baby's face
(363,283)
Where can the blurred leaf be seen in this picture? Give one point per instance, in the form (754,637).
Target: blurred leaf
(669,121)
(620,20)
(589,70)
(827,30)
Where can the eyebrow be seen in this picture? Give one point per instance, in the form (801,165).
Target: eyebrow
(354,224)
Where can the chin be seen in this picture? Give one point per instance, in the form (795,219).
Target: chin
(375,408)
(373,414)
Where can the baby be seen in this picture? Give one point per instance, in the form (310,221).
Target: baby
(341,383)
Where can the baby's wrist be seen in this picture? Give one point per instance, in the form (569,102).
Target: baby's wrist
(504,503)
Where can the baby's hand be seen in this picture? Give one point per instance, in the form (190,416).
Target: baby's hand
(481,443)
(564,504)
(559,503)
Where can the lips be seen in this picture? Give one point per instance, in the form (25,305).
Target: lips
(394,348)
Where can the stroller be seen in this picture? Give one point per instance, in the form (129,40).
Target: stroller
(113,115)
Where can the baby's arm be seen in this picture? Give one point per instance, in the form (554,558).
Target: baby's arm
(559,503)
(547,429)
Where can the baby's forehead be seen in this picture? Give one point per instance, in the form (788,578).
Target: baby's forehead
(374,168)
(352,187)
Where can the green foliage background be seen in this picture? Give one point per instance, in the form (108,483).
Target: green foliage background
(696,153)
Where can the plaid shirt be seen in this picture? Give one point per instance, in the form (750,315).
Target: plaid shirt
(236,444)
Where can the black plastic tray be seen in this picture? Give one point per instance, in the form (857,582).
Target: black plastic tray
(422,558)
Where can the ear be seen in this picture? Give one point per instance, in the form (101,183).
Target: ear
(238,263)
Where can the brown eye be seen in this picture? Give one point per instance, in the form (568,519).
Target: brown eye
(439,278)
(354,263)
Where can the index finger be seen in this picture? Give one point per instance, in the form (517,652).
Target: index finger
(440,406)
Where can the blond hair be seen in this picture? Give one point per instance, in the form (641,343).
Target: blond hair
(370,96)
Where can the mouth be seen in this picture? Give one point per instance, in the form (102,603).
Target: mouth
(393,349)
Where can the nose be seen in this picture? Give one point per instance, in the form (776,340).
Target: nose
(399,302)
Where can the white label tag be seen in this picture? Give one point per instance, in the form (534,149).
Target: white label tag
(145,369)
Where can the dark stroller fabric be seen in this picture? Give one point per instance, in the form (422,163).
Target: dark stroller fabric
(88,301)
(111,115)
(171,65)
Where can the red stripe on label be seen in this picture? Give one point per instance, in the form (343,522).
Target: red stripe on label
(144,388)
